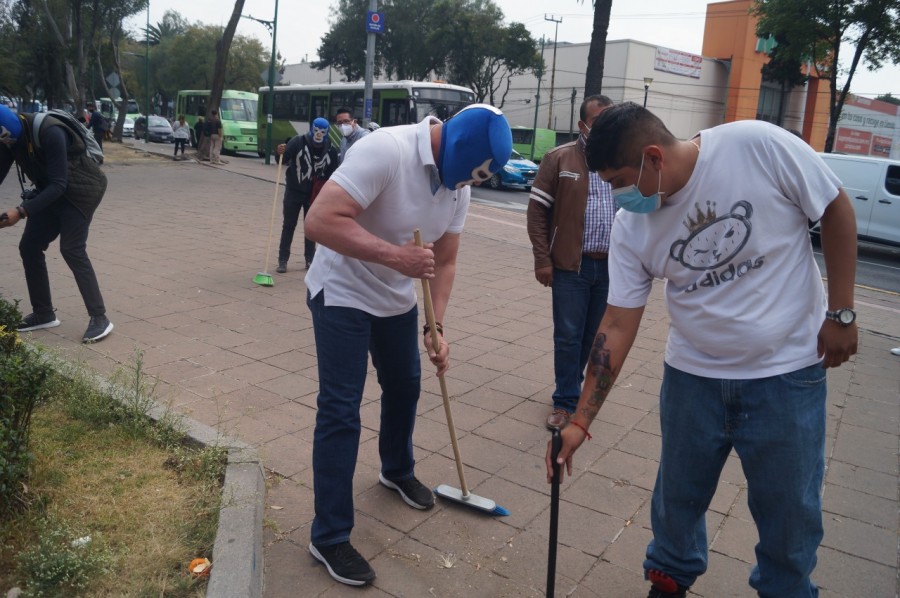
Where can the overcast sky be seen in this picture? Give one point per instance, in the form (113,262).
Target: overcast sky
(676,25)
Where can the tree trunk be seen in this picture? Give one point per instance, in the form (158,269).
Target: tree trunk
(593,78)
(71,81)
(222,48)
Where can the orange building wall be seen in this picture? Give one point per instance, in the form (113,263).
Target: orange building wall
(730,34)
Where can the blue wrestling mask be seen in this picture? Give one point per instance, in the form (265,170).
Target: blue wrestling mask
(475,143)
(318,131)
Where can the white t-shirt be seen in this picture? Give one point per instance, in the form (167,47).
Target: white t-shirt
(744,293)
(392,175)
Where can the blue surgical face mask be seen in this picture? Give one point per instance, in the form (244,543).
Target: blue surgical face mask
(631,199)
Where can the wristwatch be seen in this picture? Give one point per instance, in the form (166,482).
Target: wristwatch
(844,316)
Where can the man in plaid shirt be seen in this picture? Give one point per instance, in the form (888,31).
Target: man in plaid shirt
(570,215)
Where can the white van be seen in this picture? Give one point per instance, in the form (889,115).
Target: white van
(873,185)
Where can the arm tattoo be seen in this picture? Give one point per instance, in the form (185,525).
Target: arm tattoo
(600,364)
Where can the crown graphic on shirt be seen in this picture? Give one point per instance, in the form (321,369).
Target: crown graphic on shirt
(703,218)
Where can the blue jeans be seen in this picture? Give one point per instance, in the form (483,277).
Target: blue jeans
(344,339)
(579,301)
(776,426)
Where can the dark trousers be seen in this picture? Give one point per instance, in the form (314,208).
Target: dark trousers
(294,201)
(180,143)
(62,220)
(345,338)
(99,138)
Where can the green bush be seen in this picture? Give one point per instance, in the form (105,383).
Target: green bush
(60,562)
(10,316)
(23,380)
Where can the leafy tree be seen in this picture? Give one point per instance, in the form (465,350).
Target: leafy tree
(343,47)
(463,40)
(593,78)
(817,29)
(889,99)
(171,26)
(784,69)
(483,53)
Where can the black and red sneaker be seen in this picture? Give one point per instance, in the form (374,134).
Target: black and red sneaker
(664,586)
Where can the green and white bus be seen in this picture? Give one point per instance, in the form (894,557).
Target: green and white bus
(110,108)
(393,103)
(542,140)
(237,111)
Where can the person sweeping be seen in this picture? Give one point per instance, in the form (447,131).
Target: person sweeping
(362,297)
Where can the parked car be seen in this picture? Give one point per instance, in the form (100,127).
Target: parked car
(518,172)
(873,185)
(160,129)
(128,127)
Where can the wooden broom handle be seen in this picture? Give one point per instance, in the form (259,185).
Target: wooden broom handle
(445,394)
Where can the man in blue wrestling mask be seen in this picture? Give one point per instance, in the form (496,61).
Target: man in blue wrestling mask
(361,292)
(310,161)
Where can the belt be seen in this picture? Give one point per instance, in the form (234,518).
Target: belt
(599,255)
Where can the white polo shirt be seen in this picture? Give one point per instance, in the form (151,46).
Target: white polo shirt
(393,177)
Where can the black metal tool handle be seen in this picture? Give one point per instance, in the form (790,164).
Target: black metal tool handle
(555,446)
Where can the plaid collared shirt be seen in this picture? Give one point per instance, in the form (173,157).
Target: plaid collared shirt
(598,215)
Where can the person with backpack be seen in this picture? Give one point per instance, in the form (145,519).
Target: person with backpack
(310,159)
(68,187)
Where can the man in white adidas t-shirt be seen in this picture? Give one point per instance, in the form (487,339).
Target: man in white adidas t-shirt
(722,218)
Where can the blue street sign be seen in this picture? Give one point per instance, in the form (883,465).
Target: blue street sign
(367,112)
(374,22)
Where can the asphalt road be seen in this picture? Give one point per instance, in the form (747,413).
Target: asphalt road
(878,266)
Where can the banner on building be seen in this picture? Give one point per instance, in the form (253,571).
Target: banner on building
(868,127)
(678,62)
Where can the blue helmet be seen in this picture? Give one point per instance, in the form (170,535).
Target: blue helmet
(10,126)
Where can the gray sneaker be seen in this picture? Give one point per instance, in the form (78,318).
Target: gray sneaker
(99,328)
(38,322)
(282,267)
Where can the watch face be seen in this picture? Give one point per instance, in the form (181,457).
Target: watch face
(846,316)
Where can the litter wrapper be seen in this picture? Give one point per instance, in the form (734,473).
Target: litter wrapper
(200,567)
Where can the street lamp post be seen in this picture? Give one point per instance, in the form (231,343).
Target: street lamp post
(647,82)
(272,26)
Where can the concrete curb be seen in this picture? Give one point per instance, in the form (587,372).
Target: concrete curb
(238,550)
(237,557)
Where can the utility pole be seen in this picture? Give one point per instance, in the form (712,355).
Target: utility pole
(537,101)
(572,115)
(147,77)
(553,72)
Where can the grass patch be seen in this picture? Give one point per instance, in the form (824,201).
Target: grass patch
(116,505)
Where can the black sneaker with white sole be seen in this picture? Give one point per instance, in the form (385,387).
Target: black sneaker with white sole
(344,563)
(38,322)
(412,491)
(98,328)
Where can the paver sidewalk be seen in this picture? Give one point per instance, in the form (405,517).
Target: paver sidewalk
(176,246)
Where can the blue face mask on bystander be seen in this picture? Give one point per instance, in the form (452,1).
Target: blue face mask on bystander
(631,199)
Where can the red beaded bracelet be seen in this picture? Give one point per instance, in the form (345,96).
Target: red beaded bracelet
(583,429)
